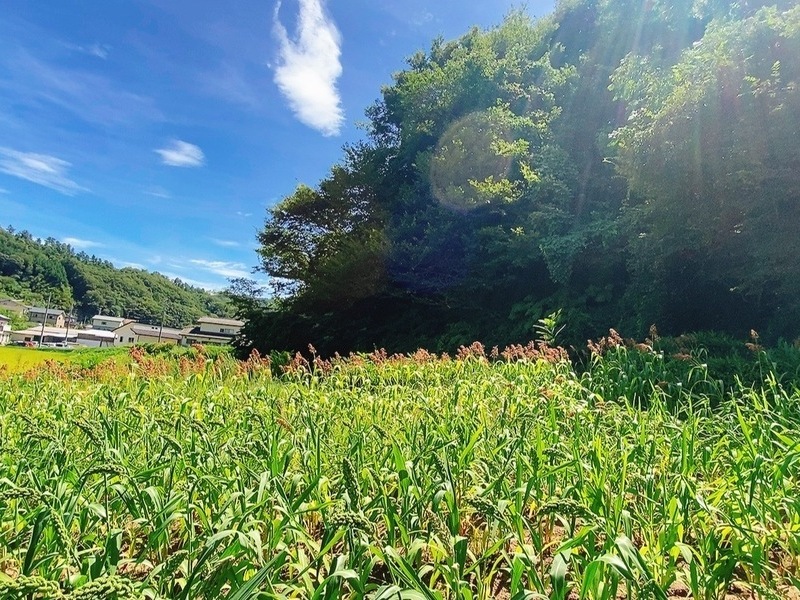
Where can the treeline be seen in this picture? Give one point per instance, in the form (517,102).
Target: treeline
(32,270)
(627,162)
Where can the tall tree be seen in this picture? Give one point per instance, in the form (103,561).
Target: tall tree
(710,150)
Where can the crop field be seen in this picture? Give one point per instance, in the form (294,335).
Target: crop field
(487,475)
(16,359)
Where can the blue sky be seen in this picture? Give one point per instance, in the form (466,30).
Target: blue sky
(156,133)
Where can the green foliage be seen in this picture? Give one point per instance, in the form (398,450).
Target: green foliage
(502,478)
(710,151)
(550,327)
(18,320)
(32,270)
(628,162)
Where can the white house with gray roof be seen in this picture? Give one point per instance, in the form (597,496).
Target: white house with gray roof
(142,333)
(54,316)
(107,322)
(95,338)
(211,330)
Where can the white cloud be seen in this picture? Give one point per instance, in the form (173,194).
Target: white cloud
(226,243)
(121,264)
(222,268)
(96,50)
(206,285)
(90,97)
(309,66)
(158,192)
(42,169)
(181,154)
(240,213)
(81,244)
(4,191)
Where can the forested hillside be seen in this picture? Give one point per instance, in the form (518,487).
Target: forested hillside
(32,269)
(628,162)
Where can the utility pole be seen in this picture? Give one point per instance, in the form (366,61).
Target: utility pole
(69,318)
(161,329)
(44,321)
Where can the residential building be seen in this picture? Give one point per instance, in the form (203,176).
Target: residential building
(51,335)
(9,305)
(211,330)
(95,338)
(108,323)
(55,316)
(5,330)
(142,333)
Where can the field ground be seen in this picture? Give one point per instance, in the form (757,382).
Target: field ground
(16,359)
(416,477)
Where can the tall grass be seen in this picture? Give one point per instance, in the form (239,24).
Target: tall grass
(381,477)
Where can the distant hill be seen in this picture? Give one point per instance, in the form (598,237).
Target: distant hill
(31,269)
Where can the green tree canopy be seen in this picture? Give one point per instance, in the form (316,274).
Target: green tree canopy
(627,162)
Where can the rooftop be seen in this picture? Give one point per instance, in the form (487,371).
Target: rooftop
(196,332)
(4,318)
(108,318)
(154,330)
(220,321)
(12,301)
(48,331)
(49,311)
(96,334)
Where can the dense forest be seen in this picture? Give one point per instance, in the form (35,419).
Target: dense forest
(630,163)
(33,269)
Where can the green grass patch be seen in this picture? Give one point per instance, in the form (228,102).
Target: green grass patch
(18,359)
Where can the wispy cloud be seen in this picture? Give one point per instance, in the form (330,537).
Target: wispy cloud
(240,213)
(231,83)
(309,66)
(122,264)
(96,50)
(225,243)
(89,96)
(182,154)
(81,244)
(222,268)
(42,169)
(206,285)
(158,192)
(4,191)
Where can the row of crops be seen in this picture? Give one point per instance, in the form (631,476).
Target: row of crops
(398,478)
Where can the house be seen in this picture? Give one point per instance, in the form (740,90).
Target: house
(55,317)
(142,333)
(107,322)
(95,338)
(50,335)
(211,330)
(9,305)
(5,330)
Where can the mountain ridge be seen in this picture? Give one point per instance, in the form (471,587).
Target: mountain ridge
(34,269)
